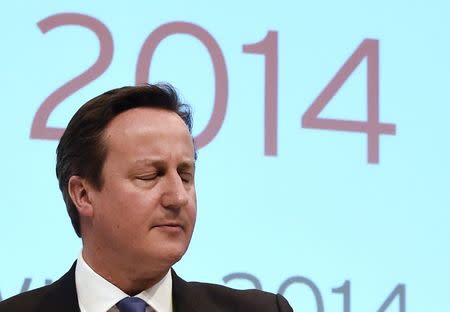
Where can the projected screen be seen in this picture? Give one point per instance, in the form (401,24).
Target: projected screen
(322,128)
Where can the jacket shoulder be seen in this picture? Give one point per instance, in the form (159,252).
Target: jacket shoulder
(243,300)
(27,301)
(59,296)
(212,297)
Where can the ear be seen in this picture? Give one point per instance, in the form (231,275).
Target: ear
(80,191)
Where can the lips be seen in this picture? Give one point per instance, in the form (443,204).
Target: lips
(169,225)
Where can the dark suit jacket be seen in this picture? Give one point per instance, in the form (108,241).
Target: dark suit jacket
(61,296)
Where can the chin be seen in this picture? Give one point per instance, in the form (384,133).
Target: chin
(172,254)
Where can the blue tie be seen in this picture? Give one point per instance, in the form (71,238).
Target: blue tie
(131,304)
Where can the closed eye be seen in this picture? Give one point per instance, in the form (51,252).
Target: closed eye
(147,177)
(186,176)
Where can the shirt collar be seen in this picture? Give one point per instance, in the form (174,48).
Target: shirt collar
(97,294)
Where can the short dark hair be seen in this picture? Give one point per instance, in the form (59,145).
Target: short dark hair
(82,151)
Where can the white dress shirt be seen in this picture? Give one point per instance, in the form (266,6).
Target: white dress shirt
(96,294)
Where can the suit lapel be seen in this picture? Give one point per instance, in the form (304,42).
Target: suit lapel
(184,299)
(62,295)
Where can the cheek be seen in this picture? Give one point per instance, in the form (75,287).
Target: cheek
(121,209)
(193,209)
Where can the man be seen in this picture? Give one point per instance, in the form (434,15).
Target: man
(126,169)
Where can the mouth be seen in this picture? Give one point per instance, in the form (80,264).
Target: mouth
(169,227)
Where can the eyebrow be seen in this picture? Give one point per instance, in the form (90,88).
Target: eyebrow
(157,162)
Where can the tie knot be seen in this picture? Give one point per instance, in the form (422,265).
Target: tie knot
(131,304)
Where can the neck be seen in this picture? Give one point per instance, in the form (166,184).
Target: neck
(124,275)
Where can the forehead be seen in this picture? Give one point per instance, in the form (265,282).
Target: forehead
(148,116)
(144,126)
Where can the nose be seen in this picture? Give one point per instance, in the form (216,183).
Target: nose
(175,195)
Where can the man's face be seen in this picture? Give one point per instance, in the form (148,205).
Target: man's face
(145,212)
